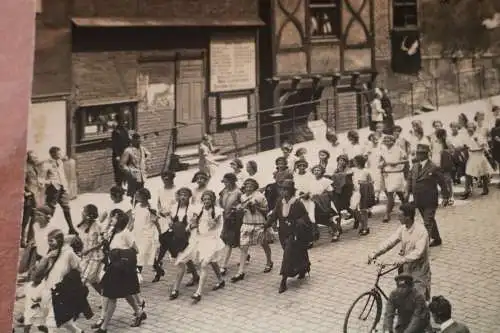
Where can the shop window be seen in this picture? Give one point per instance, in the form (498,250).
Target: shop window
(324,16)
(98,121)
(404,14)
(233,110)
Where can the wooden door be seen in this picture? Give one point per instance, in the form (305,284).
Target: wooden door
(190,106)
(347,113)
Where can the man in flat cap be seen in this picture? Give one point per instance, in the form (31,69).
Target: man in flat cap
(423,183)
(410,307)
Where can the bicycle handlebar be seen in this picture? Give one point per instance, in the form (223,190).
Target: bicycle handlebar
(381,265)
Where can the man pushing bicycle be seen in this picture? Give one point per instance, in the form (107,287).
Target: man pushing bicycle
(414,253)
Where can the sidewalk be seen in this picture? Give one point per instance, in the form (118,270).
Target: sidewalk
(265,160)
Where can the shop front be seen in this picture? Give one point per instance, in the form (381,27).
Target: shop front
(171,84)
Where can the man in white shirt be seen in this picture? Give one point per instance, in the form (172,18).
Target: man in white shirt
(414,253)
(57,186)
(440,309)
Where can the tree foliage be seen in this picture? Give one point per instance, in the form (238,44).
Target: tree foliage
(457,25)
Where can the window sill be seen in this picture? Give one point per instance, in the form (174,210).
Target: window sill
(406,28)
(324,40)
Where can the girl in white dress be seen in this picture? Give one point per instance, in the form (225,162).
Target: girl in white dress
(436,146)
(477,164)
(183,216)
(145,228)
(321,193)
(374,152)
(205,245)
(166,199)
(392,165)
(418,138)
(303,182)
(326,163)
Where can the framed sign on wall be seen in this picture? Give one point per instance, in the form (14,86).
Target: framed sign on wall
(232,63)
(233,109)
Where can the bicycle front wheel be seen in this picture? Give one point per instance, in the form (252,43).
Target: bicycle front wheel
(364,313)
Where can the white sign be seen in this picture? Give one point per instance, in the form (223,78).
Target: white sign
(233,110)
(232,63)
(47,127)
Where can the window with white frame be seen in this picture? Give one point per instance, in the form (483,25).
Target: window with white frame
(324,19)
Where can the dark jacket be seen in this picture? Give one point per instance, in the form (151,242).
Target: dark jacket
(424,185)
(456,328)
(69,299)
(413,314)
(120,140)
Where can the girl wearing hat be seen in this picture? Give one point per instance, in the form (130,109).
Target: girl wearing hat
(282,172)
(205,245)
(166,199)
(253,207)
(364,196)
(320,191)
(182,218)
(295,233)
(201,179)
(229,199)
(393,161)
(146,229)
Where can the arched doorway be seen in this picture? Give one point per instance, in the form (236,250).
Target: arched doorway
(296,106)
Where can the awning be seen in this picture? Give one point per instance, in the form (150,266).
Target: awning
(111,22)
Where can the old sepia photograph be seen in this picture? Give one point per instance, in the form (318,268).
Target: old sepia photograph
(262,166)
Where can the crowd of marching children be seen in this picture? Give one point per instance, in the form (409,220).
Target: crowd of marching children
(199,227)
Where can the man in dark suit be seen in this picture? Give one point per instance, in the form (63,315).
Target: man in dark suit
(440,309)
(423,181)
(120,140)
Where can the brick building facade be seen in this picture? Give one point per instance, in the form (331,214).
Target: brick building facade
(186,65)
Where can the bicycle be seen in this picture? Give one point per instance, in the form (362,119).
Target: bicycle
(373,297)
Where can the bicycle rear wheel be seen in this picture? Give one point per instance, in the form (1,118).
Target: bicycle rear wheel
(364,313)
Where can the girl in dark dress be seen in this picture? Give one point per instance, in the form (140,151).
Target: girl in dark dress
(120,278)
(295,233)
(229,199)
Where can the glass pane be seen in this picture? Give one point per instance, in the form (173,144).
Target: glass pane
(405,16)
(324,22)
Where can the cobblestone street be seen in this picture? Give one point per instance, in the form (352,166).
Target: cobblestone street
(464,269)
